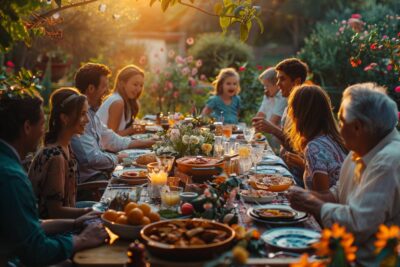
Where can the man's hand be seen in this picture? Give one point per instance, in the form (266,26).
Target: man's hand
(263,125)
(293,160)
(121,157)
(88,216)
(92,236)
(304,200)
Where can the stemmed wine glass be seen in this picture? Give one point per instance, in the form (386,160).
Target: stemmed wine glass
(257,154)
(248,133)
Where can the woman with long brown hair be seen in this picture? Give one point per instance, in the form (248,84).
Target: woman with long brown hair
(314,133)
(54,170)
(122,105)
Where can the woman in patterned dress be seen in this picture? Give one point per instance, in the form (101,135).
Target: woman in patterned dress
(314,133)
(53,172)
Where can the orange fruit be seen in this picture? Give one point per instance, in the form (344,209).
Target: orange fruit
(135,216)
(145,208)
(145,220)
(130,206)
(120,213)
(122,219)
(110,215)
(154,217)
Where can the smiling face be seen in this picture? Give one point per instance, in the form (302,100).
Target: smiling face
(270,89)
(82,120)
(230,86)
(285,83)
(134,86)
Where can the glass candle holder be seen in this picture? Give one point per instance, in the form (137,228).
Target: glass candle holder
(158,178)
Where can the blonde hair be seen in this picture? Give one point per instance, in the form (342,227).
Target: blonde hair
(310,110)
(219,81)
(122,77)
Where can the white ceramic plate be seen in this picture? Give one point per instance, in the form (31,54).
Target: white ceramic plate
(260,199)
(291,238)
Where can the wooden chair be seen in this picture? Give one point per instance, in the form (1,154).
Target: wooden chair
(91,191)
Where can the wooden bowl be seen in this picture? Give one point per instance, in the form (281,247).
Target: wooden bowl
(206,170)
(123,231)
(189,253)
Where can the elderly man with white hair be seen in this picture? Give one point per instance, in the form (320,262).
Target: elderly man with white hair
(368,192)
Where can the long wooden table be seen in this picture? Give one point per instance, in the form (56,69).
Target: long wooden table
(114,254)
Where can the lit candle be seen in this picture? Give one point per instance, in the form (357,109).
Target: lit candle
(158,178)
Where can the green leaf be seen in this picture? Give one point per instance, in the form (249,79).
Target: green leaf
(58,2)
(260,23)
(224,22)
(244,31)
(218,8)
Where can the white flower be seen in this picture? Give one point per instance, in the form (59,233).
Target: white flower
(175,135)
(185,139)
(201,139)
(194,140)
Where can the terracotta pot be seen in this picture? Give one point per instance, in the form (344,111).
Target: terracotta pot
(206,170)
(190,253)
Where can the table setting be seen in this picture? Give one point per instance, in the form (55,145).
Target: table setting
(236,184)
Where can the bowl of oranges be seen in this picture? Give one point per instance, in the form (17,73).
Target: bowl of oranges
(128,223)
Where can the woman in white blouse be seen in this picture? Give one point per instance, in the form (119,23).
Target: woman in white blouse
(121,107)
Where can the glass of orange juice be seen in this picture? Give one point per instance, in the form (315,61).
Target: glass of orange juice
(227,131)
(170,198)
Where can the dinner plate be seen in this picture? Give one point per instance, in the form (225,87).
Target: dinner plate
(291,238)
(137,180)
(298,218)
(269,161)
(154,128)
(142,136)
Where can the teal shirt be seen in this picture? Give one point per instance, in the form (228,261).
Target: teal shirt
(230,112)
(21,235)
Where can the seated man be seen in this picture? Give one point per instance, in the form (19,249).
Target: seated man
(368,189)
(90,148)
(23,237)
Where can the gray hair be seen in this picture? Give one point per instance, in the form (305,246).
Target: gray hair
(370,104)
(268,75)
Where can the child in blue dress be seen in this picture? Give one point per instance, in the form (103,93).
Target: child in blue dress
(226,101)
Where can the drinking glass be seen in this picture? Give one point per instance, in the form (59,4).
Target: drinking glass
(170,197)
(167,161)
(256,155)
(218,146)
(227,131)
(248,133)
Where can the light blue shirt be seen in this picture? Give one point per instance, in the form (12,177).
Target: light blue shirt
(229,112)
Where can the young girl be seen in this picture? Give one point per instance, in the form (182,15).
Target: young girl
(226,102)
(118,109)
(53,172)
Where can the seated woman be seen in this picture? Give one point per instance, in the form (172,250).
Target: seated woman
(122,105)
(273,104)
(314,132)
(53,172)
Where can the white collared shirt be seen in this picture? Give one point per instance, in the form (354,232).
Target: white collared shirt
(363,205)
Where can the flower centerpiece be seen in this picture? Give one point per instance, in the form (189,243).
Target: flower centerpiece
(184,140)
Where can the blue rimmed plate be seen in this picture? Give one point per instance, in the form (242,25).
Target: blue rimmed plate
(291,238)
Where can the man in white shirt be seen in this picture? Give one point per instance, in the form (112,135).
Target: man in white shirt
(91,148)
(368,192)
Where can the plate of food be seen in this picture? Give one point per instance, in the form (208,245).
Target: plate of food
(257,196)
(143,136)
(187,239)
(276,214)
(154,128)
(133,177)
(292,238)
(274,183)
(144,159)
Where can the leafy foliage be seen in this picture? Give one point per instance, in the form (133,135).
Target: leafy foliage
(21,84)
(341,52)
(217,52)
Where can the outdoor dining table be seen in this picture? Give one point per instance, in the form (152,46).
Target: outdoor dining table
(114,253)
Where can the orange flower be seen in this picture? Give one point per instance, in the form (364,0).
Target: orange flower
(385,234)
(256,234)
(305,263)
(331,236)
(355,62)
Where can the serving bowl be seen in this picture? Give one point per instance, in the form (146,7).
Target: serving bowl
(194,166)
(258,196)
(123,231)
(191,252)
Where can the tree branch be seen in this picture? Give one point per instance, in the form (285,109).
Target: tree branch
(202,10)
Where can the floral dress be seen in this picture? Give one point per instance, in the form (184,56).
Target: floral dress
(53,177)
(322,155)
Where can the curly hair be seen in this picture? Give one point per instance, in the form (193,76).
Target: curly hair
(294,68)
(90,74)
(219,81)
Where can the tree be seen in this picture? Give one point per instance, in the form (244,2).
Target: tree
(22,19)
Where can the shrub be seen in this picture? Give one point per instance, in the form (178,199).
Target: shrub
(339,53)
(220,51)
